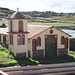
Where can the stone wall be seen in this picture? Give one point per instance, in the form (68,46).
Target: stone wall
(38,54)
(21,54)
(63,52)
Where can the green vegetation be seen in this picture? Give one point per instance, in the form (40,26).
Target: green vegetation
(7,59)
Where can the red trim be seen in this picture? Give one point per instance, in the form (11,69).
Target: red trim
(46,37)
(11,39)
(18,32)
(18,19)
(10,26)
(23,39)
(67,43)
(19,40)
(20,25)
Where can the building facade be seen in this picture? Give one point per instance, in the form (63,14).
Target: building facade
(35,41)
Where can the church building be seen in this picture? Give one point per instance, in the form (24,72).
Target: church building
(35,41)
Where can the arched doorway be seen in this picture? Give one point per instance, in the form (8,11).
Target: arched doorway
(51,46)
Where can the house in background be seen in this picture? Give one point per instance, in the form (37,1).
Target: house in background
(35,41)
(72,43)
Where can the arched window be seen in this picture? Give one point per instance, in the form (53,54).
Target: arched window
(20,26)
(10,26)
(38,41)
(23,39)
(62,40)
(33,44)
(11,39)
(19,40)
(4,39)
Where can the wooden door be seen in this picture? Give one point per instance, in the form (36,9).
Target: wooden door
(50,46)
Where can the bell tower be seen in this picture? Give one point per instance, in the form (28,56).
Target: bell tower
(18,43)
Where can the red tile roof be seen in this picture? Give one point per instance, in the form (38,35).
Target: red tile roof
(35,30)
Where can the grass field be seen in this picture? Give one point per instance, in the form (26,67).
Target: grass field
(62,22)
(7,59)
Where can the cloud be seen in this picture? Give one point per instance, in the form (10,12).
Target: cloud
(40,5)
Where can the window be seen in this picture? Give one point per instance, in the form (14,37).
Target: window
(62,40)
(19,40)
(23,39)
(4,39)
(11,39)
(20,26)
(33,44)
(38,41)
(10,26)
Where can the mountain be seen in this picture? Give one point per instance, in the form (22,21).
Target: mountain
(40,17)
(5,12)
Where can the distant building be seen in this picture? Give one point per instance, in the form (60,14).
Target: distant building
(34,41)
(72,43)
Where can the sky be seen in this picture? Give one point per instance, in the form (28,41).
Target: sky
(40,5)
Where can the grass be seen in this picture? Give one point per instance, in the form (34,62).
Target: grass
(7,59)
(62,22)
(57,25)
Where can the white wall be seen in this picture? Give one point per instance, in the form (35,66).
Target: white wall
(47,32)
(15,25)
(15,48)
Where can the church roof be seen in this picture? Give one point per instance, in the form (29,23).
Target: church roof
(35,30)
(32,29)
(17,15)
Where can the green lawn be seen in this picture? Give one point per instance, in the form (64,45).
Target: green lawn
(7,59)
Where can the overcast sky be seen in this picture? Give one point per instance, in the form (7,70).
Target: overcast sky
(40,5)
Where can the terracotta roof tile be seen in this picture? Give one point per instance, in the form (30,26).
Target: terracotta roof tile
(34,30)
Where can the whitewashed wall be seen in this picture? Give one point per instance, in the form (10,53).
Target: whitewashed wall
(15,25)
(15,48)
(47,32)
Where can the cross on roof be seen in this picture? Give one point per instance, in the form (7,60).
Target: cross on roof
(17,9)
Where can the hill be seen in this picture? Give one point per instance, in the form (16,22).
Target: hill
(42,18)
(4,13)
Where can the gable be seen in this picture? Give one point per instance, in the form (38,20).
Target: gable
(37,30)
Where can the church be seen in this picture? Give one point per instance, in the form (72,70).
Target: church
(34,41)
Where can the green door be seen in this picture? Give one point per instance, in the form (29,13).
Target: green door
(50,46)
